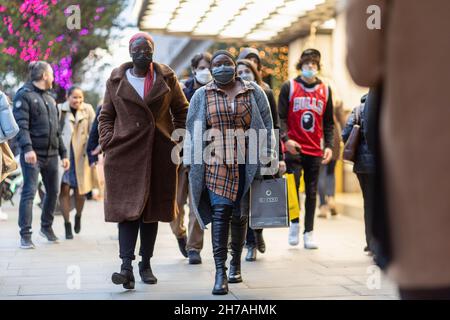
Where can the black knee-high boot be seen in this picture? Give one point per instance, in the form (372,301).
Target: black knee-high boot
(238,234)
(220,228)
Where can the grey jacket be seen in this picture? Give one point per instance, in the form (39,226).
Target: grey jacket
(8,125)
(196,127)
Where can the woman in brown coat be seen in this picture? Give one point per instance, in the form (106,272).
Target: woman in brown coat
(409,54)
(143,105)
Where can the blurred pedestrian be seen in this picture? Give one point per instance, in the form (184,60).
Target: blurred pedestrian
(327,176)
(95,154)
(40,143)
(219,190)
(252,54)
(305,106)
(191,245)
(143,104)
(364,167)
(247,70)
(76,122)
(414,134)
(8,130)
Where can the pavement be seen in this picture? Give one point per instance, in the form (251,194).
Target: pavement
(82,268)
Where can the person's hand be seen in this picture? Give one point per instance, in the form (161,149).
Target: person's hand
(328,154)
(293,147)
(282,167)
(66,164)
(31,157)
(96,151)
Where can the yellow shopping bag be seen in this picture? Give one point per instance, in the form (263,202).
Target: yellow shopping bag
(294,208)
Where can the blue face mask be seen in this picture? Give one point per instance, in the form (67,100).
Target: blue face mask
(223,74)
(309,74)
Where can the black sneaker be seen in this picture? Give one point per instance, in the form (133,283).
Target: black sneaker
(194,257)
(48,234)
(182,242)
(26,243)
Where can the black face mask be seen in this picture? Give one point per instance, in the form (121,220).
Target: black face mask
(141,60)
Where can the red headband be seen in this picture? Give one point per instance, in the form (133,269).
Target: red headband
(142,35)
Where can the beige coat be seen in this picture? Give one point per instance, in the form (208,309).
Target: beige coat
(76,130)
(411,56)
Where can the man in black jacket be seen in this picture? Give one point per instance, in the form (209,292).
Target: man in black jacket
(40,144)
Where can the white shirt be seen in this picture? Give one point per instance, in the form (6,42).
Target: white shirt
(137,83)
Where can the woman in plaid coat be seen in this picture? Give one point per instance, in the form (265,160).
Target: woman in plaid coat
(219,187)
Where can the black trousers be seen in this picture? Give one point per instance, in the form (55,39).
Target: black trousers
(367,183)
(128,233)
(310,167)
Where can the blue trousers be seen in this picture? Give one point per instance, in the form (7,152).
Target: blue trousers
(48,168)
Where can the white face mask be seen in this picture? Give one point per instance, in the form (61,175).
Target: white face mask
(248,76)
(203,76)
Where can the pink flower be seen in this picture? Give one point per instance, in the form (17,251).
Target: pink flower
(84,32)
(11,51)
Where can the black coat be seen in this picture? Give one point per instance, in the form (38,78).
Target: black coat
(37,116)
(365,161)
(93,139)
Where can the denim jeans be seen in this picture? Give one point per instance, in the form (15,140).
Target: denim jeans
(48,168)
(216,199)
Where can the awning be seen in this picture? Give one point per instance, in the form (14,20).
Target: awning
(273,21)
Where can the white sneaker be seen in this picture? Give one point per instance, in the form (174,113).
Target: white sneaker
(3,215)
(294,230)
(309,241)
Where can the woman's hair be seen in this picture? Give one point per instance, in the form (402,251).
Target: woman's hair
(252,67)
(72,89)
(199,57)
(37,69)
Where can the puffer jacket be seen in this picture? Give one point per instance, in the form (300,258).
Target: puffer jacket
(36,114)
